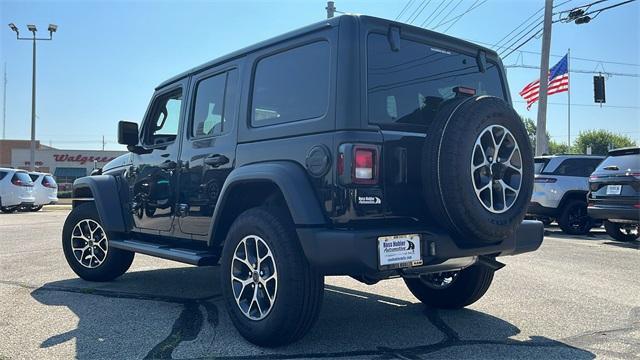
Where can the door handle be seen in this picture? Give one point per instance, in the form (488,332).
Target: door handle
(168,165)
(216,160)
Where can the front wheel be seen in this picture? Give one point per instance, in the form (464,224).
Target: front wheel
(622,232)
(451,290)
(9,209)
(272,294)
(86,247)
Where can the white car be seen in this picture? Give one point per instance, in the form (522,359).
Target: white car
(16,190)
(45,190)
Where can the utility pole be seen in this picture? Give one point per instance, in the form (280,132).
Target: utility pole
(4,105)
(569,98)
(331,9)
(102,142)
(541,133)
(32,28)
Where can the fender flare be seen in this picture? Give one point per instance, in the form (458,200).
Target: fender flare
(289,177)
(106,197)
(571,194)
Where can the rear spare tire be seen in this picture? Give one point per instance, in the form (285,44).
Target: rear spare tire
(477,170)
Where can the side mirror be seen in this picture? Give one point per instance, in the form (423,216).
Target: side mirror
(128,133)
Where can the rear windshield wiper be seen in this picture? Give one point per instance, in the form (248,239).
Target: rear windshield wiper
(611,167)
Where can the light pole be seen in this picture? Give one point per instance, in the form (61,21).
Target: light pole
(32,28)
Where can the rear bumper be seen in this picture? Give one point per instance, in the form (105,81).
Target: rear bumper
(614,213)
(354,252)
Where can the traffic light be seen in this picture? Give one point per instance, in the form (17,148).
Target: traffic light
(598,89)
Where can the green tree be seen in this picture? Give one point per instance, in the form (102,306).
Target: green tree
(600,141)
(554,147)
(558,148)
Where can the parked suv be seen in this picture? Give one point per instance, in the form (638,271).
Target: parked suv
(355,146)
(16,190)
(560,191)
(615,193)
(45,190)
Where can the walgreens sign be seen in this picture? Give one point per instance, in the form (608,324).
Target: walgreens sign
(81,158)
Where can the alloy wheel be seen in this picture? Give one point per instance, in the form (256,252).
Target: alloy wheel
(89,243)
(254,278)
(496,169)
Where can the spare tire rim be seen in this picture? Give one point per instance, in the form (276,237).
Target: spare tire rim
(254,278)
(496,169)
(89,243)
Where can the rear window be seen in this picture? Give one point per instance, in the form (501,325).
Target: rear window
(2,174)
(292,85)
(539,165)
(49,180)
(22,178)
(409,85)
(630,162)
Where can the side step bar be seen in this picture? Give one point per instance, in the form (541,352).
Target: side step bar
(188,256)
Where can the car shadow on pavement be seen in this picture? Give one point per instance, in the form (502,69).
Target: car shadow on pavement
(133,321)
(592,236)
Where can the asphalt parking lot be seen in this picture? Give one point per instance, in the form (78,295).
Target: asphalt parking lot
(575,298)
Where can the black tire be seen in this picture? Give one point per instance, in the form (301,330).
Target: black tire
(620,232)
(448,185)
(573,219)
(116,262)
(300,288)
(468,287)
(9,209)
(35,208)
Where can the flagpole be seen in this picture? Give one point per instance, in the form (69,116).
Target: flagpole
(569,99)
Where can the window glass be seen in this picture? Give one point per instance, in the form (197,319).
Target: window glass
(577,167)
(34,177)
(408,86)
(539,165)
(48,179)
(22,177)
(292,85)
(209,106)
(214,104)
(163,124)
(622,162)
(2,174)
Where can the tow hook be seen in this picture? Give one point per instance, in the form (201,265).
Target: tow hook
(490,262)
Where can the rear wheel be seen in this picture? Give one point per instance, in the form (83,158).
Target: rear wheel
(86,247)
(451,290)
(622,232)
(272,294)
(574,219)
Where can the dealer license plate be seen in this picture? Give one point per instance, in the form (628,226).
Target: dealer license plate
(614,189)
(399,251)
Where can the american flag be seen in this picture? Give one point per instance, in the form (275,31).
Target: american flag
(558,82)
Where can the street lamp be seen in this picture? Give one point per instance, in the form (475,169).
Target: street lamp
(32,28)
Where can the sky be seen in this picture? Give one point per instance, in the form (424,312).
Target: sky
(108,56)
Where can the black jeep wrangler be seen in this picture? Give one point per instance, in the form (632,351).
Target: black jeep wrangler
(355,146)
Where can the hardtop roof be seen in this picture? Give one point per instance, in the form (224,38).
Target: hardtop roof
(327,23)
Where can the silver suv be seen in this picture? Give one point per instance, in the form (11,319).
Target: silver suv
(560,191)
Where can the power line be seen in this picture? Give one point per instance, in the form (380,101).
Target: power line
(419,9)
(432,13)
(577,71)
(449,13)
(523,43)
(404,9)
(454,20)
(521,24)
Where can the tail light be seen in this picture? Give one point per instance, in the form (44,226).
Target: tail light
(365,165)
(18,182)
(545,180)
(634,174)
